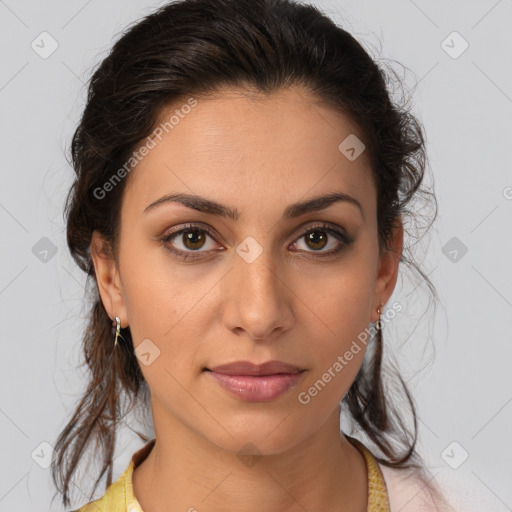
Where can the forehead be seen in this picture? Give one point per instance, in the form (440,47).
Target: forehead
(236,145)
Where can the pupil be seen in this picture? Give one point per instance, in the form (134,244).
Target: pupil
(317,237)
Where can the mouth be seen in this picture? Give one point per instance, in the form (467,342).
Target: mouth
(248,368)
(256,383)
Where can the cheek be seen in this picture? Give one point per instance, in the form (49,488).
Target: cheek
(342,301)
(339,348)
(338,327)
(164,331)
(157,293)
(167,307)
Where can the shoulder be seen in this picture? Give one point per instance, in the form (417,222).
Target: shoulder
(114,499)
(410,491)
(119,495)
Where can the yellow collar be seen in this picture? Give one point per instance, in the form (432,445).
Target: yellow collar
(119,496)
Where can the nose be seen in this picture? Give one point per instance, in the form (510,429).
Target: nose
(259,301)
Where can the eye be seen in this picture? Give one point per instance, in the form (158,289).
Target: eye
(189,239)
(318,238)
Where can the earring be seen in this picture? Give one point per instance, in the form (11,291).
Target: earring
(378,324)
(117,324)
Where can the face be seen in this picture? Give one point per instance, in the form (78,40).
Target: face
(267,282)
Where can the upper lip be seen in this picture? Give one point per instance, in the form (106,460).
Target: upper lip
(249,368)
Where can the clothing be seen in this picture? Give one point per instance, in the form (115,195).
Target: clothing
(119,496)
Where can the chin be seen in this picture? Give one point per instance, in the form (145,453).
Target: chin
(266,437)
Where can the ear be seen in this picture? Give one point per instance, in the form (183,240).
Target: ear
(388,267)
(108,278)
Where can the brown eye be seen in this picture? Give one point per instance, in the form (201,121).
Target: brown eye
(316,239)
(186,242)
(321,237)
(193,239)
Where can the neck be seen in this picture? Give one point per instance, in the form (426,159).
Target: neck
(187,472)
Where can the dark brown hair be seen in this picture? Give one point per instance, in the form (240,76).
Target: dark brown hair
(192,48)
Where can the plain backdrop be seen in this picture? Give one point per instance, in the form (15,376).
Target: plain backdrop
(455,359)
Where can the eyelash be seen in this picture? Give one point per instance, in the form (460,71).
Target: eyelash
(344,240)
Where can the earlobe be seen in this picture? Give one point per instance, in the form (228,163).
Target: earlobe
(107,278)
(388,266)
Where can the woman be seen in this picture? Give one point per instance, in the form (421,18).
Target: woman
(242,184)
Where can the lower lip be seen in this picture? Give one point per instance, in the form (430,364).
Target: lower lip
(261,388)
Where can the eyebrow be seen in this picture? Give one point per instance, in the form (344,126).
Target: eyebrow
(201,204)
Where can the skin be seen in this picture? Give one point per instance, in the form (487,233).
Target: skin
(258,154)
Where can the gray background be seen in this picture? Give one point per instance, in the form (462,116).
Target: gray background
(456,362)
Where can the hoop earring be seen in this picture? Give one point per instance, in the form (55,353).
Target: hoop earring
(117,324)
(378,324)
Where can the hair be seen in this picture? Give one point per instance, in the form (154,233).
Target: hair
(196,47)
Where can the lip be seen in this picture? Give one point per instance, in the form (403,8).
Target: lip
(253,388)
(256,383)
(248,368)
